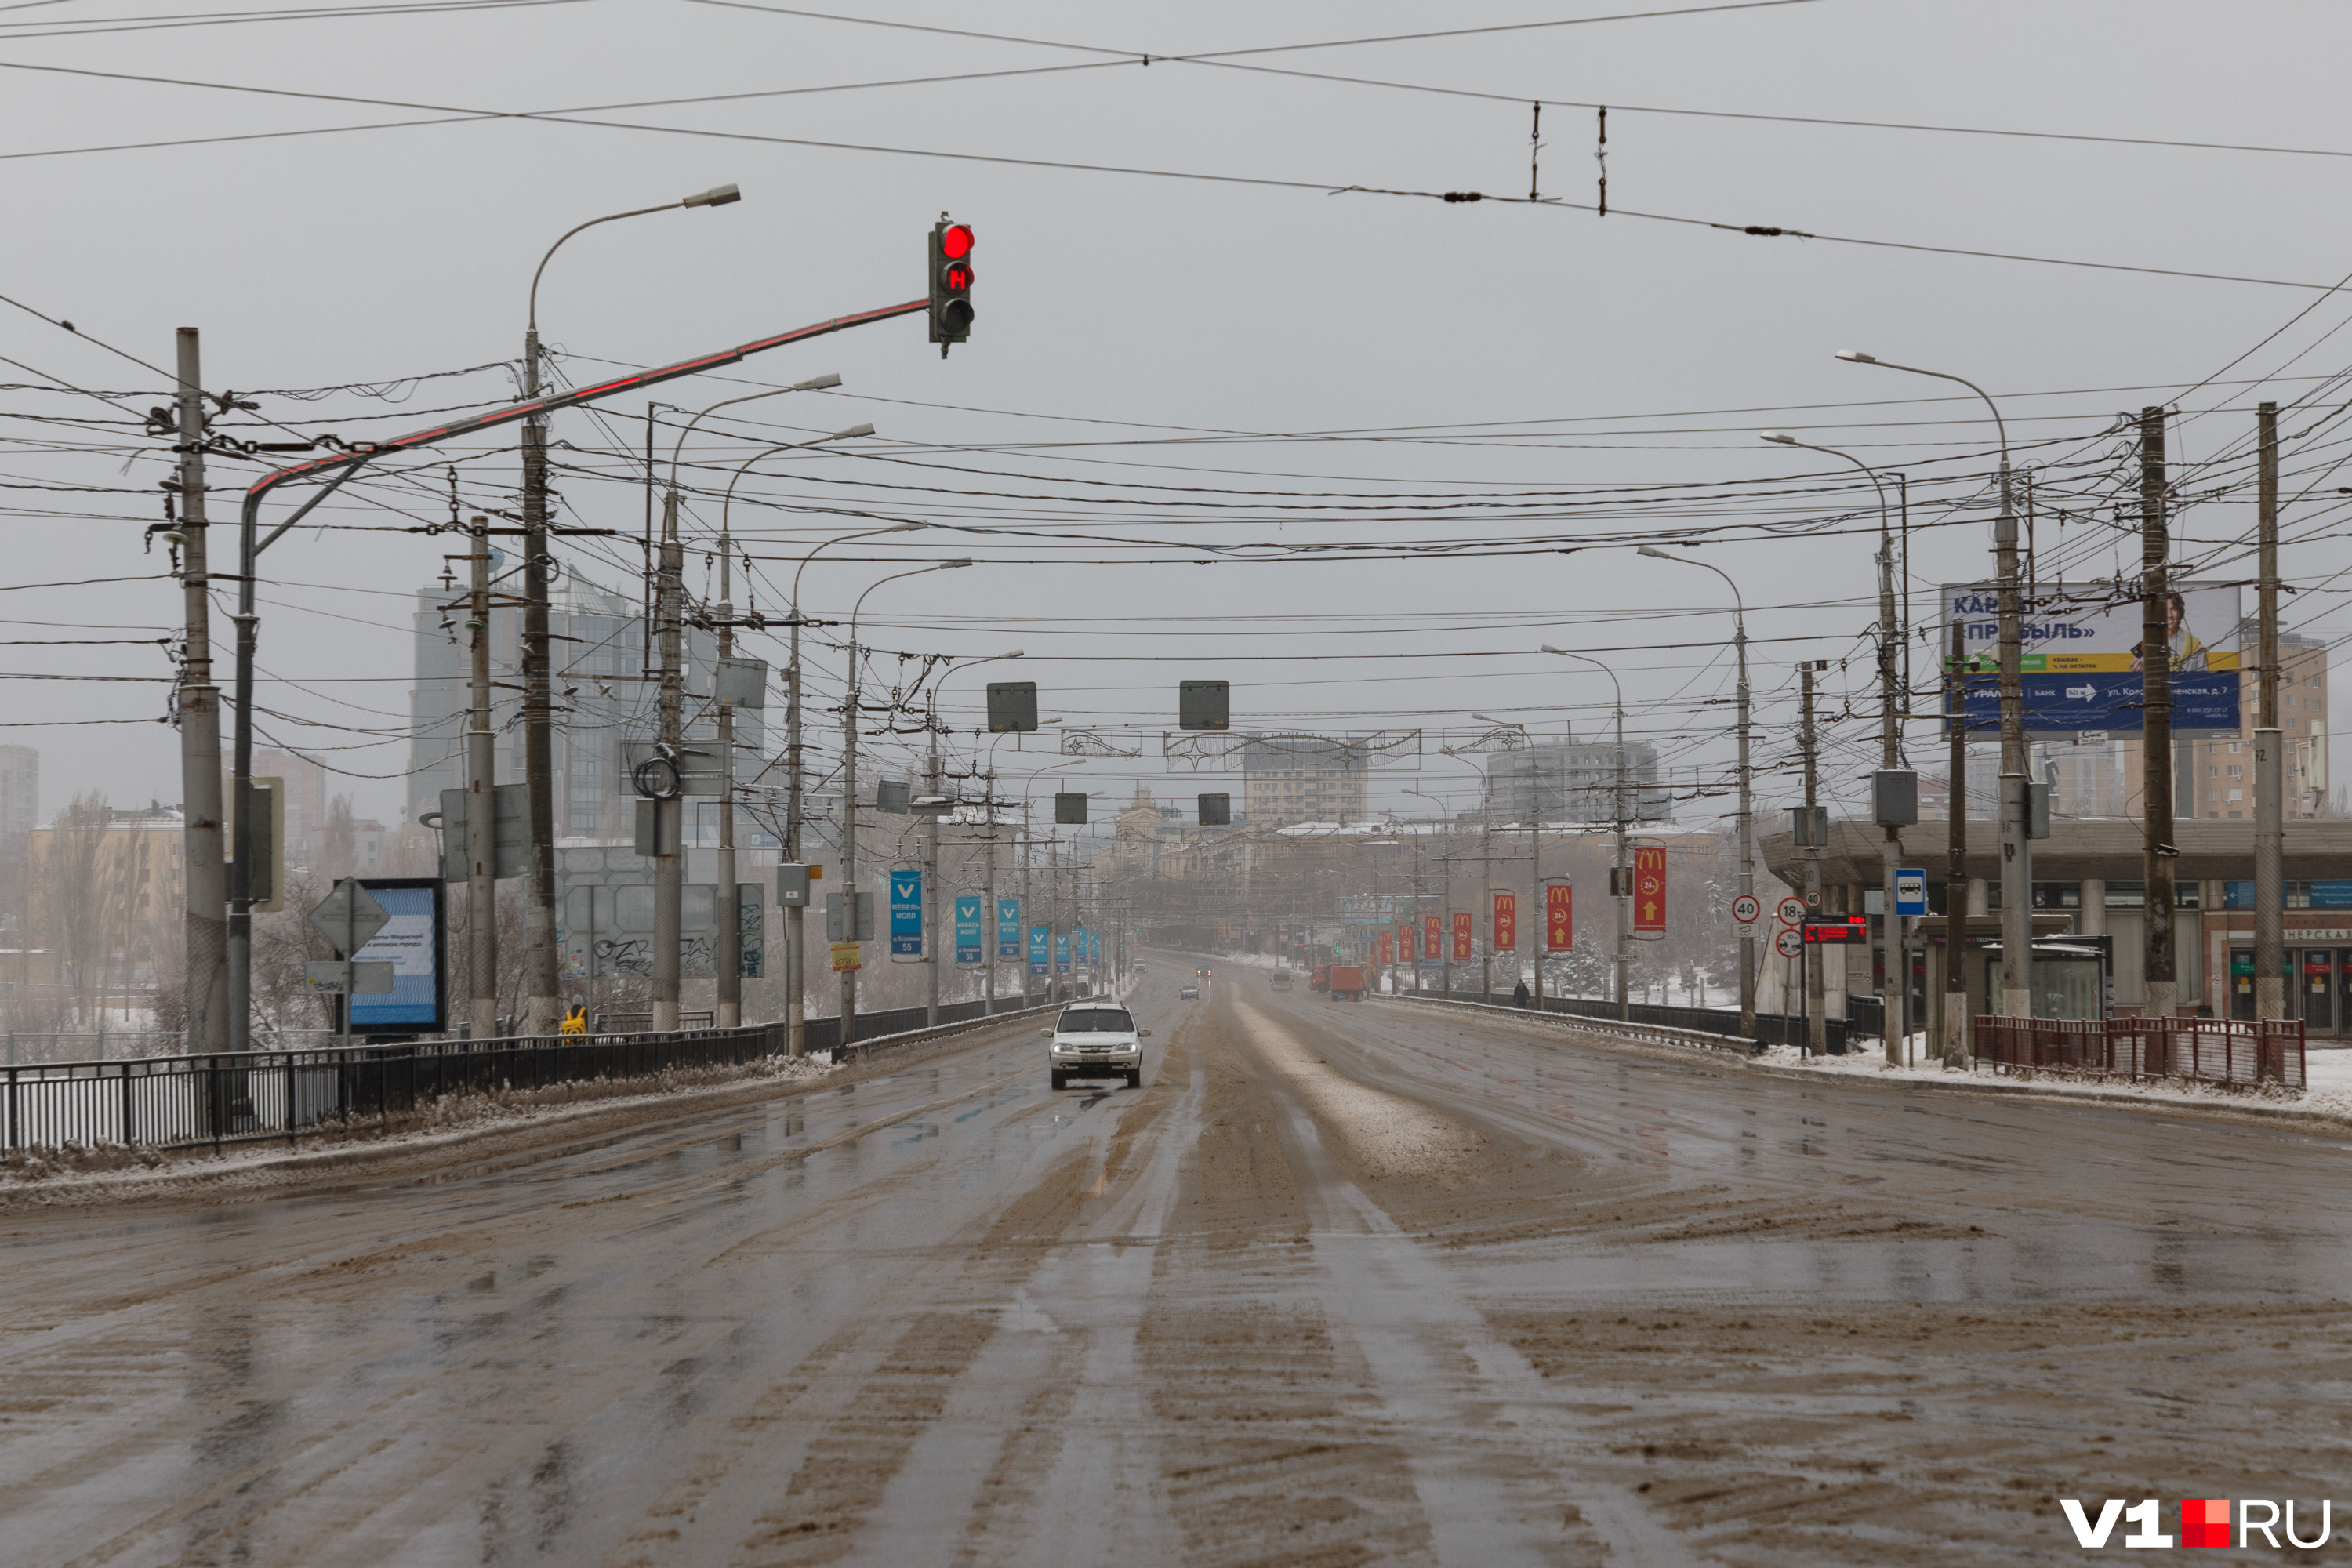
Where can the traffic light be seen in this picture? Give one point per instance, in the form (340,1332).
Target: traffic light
(1203,705)
(1012,706)
(950,283)
(1216,810)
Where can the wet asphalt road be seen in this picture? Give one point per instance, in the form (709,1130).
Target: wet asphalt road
(1342,1284)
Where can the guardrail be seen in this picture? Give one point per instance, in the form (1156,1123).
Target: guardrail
(178,1102)
(1635,1030)
(2227,1051)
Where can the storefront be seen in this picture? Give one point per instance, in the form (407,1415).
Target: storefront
(2318,967)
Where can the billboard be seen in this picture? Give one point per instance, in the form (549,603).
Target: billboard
(412,941)
(1560,917)
(2080,662)
(906,914)
(967,928)
(1650,888)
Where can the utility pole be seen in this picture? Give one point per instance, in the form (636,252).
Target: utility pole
(1028,911)
(849,894)
(481,811)
(2270,806)
(795,918)
(727,982)
(1818,1032)
(991,920)
(931,884)
(2016,847)
(670,845)
(1625,900)
(1487,882)
(1955,873)
(537,710)
(1747,846)
(205,925)
(2156,738)
(1894,1001)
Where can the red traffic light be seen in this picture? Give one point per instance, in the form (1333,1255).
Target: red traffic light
(956,242)
(956,277)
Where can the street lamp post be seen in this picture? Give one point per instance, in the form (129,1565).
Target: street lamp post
(1746,817)
(931,832)
(2016,847)
(541,981)
(1625,859)
(849,791)
(1895,1008)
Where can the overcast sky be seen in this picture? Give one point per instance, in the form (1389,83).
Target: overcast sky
(1442,396)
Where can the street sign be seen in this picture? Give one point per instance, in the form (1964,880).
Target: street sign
(1746,909)
(1789,942)
(328,977)
(1792,911)
(1910,892)
(350,917)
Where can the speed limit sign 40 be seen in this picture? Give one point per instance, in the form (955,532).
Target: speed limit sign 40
(1746,909)
(1789,943)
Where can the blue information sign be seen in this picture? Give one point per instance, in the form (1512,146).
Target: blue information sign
(906,914)
(412,940)
(1061,952)
(1036,950)
(1008,928)
(1910,891)
(967,922)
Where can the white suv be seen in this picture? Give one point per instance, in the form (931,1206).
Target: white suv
(1095,1039)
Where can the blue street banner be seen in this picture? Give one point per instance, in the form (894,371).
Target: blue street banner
(1061,952)
(1036,950)
(1008,928)
(967,922)
(1079,945)
(906,914)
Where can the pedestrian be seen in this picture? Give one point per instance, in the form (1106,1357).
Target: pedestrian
(1519,994)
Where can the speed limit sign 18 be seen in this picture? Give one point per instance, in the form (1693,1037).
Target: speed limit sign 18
(1746,909)
(1789,943)
(1792,911)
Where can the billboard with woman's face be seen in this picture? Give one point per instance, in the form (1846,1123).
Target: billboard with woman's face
(2083,659)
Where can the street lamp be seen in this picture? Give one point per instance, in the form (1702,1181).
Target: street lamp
(1624,860)
(1487,860)
(931,843)
(849,784)
(2016,847)
(1894,1009)
(1746,818)
(541,980)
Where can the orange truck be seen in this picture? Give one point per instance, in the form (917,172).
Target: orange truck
(1346,983)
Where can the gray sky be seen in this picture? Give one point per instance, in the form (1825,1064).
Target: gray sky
(1205,337)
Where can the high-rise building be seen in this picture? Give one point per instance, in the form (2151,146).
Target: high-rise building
(20,792)
(1575,781)
(603,694)
(1302,779)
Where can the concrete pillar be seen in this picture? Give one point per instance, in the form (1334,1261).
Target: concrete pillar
(2092,921)
(1980,897)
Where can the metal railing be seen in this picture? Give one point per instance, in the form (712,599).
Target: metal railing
(1771,1028)
(180,1102)
(112,1044)
(2227,1051)
(1637,1029)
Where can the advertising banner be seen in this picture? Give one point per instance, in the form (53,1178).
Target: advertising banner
(1433,938)
(2081,661)
(967,927)
(1506,923)
(906,914)
(1650,888)
(845,957)
(1061,952)
(1008,928)
(1388,949)
(1405,943)
(1560,917)
(1462,937)
(1036,950)
(412,941)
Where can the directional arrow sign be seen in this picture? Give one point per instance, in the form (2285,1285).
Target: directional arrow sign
(349,917)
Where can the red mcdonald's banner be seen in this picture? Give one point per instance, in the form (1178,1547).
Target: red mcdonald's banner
(1507,922)
(1560,917)
(1388,949)
(1405,943)
(1650,888)
(1462,937)
(1433,937)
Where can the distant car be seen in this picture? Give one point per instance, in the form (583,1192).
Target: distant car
(1188,993)
(1095,1039)
(1281,980)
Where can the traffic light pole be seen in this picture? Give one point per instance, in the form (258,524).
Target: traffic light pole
(337,469)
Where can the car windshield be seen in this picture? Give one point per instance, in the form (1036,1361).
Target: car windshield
(1097,1020)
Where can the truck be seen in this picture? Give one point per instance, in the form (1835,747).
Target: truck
(1345,983)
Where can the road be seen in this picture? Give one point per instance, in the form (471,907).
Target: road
(1341,1284)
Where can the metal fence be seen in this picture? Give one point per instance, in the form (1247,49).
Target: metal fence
(2198,1050)
(179,1101)
(1771,1028)
(115,1045)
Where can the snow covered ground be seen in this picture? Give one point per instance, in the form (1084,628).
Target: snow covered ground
(2327,1070)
